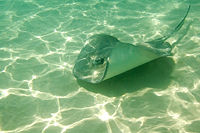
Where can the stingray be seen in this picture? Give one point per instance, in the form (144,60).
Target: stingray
(105,56)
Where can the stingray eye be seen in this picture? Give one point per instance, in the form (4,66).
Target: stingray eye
(98,61)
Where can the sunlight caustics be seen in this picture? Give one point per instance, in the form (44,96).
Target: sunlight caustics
(40,41)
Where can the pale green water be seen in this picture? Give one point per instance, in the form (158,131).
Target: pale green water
(40,40)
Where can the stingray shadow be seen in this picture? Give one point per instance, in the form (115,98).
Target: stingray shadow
(155,74)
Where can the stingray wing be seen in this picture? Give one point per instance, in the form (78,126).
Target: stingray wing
(92,61)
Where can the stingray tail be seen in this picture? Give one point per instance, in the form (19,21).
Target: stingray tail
(176,29)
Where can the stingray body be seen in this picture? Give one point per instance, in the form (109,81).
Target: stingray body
(105,56)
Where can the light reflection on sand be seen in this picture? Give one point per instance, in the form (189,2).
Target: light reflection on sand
(40,44)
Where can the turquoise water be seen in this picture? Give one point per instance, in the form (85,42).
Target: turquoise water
(41,39)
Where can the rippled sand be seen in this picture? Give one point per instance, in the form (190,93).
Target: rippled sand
(40,41)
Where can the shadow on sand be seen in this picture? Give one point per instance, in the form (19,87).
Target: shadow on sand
(155,74)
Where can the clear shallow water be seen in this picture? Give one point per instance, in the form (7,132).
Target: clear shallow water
(40,40)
